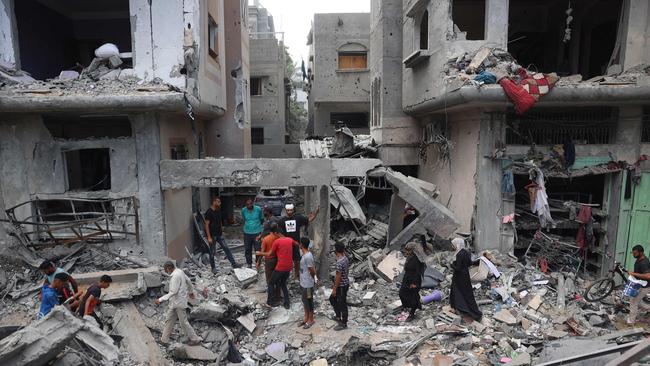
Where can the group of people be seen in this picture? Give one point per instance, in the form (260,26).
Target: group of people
(60,288)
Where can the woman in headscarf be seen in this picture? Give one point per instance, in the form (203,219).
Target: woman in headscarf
(409,292)
(461,297)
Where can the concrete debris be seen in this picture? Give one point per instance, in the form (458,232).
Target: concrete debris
(277,351)
(346,203)
(245,276)
(319,362)
(248,322)
(368,298)
(392,265)
(40,342)
(209,312)
(186,352)
(505,316)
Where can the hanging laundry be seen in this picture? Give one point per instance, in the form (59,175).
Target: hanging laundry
(585,237)
(541,207)
(508,182)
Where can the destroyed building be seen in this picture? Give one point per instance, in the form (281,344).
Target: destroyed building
(338,83)
(270,86)
(434,104)
(84,134)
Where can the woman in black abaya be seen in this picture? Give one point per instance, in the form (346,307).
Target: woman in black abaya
(461,297)
(409,292)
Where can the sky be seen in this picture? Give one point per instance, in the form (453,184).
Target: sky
(294,17)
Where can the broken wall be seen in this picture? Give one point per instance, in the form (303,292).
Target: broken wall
(390,127)
(8,33)
(636,27)
(456,178)
(423,82)
(348,90)
(268,110)
(223,136)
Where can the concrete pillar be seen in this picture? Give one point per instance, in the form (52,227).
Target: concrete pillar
(496,22)
(396,217)
(141,40)
(9,50)
(628,133)
(320,229)
(635,28)
(487,214)
(147,147)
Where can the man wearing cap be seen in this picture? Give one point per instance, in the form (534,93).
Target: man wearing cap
(291,226)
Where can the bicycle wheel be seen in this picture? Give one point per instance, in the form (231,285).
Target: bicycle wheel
(599,289)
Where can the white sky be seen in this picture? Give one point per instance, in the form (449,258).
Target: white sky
(294,17)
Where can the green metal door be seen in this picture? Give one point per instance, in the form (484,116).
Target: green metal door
(634,221)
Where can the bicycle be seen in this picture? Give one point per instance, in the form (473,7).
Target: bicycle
(605,285)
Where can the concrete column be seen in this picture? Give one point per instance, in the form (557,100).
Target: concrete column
(628,133)
(141,46)
(9,50)
(487,214)
(635,27)
(496,22)
(147,146)
(320,228)
(396,217)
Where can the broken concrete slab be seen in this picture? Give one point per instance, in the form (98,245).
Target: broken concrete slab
(556,334)
(245,276)
(535,302)
(277,351)
(126,284)
(137,338)
(69,359)
(40,342)
(319,362)
(342,198)
(368,298)
(394,306)
(505,316)
(248,321)
(522,359)
(187,352)
(392,265)
(209,311)
(433,215)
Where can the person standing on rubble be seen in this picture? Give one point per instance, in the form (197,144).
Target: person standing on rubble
(214,232)
(271,260)
(292,225)
(339,295)
(641,272)
(409,292)
(282,248)
(92,298)
(307,282)
(253,219)
(49,293)
(180,288)
(461,297)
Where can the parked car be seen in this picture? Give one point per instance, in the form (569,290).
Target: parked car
(275,198)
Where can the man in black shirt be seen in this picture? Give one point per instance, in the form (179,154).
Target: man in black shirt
(214,230)
(291,226)
(641,272)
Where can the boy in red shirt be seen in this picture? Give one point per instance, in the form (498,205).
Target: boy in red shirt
(283,250)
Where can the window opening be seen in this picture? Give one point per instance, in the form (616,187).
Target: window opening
(350,119)
(424,31)
(257,135)
(74,127)
(256,86)
(88,169)
(469,17)
(353,60)
(213,37)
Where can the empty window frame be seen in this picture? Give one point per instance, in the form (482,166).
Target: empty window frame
(88,169)
(588,126)
(424,31)
(256,86)
(257,135)
(469,17)
(75,127)
(179,151)
(213,38)
(350,119)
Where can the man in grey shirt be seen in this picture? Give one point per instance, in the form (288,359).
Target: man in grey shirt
(307,282)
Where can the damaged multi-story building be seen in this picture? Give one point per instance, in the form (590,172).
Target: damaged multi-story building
(338,83)
(588,132)
(83,136)
(270,86)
